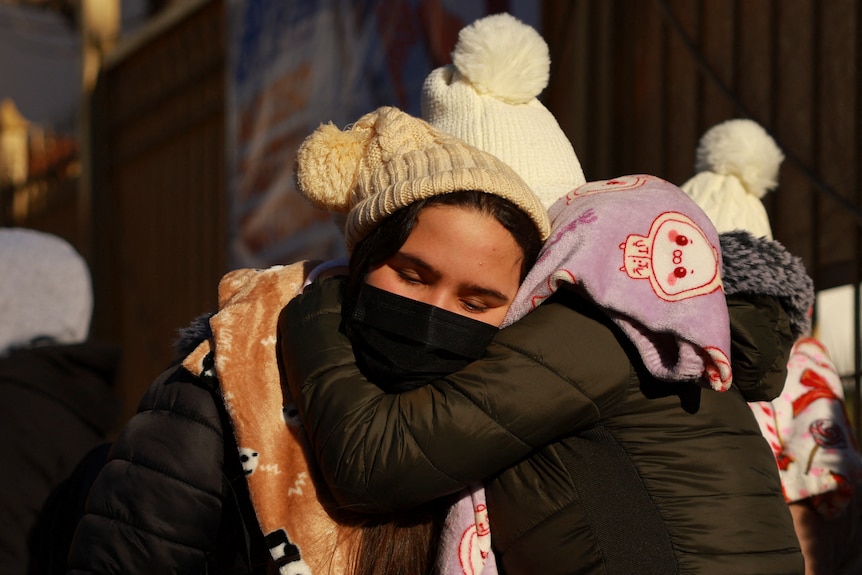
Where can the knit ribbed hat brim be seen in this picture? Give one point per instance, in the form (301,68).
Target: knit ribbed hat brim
(388,160)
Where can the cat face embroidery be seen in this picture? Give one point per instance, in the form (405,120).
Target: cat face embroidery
(675,256)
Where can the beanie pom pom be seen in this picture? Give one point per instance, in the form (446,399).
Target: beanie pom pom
(327,166)
(741,148)
(503,57)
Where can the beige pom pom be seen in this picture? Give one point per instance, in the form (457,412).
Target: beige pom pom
(327,166)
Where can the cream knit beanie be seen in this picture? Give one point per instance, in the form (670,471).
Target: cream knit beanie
(45,289)
(737,164)
(488,98)
(388,160)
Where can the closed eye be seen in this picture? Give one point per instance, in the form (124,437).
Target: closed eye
(475,306)
(410,277)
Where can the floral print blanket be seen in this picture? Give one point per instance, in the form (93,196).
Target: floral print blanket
(810,433)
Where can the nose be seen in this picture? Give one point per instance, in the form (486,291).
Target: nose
(443,299)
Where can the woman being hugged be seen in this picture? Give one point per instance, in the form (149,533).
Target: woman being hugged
(234,492)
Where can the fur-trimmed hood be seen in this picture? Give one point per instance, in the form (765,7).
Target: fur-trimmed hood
(752,265)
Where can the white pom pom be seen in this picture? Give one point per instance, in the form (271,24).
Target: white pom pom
(741,148)
(503,57)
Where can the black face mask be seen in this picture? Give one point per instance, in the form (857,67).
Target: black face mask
(401,344)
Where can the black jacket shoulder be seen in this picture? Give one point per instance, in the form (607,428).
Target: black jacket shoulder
(157,503)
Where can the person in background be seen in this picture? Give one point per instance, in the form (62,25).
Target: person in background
(807,425)
(57,398)
(233,491)
(489,97)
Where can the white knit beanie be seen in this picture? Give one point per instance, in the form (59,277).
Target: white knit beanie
(45,289)
(737,164)
(488,98)
(388,160)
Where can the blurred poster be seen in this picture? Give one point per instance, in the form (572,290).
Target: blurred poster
(294,64)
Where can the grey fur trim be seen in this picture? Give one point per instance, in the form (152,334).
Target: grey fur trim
(189,337)
(760,266)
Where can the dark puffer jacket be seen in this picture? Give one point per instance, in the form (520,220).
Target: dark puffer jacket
(594,466)
(172,497)
(57,402)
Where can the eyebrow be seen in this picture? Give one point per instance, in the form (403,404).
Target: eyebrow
(479,289)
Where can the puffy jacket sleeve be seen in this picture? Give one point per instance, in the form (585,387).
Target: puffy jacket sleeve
(760,345)
(383,452)
(155,507)
(769,296)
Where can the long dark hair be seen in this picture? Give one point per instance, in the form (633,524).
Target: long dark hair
(408,542)
(404,542)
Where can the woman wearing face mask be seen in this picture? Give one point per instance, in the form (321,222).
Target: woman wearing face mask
(211,473)
(428,286)
(426,307)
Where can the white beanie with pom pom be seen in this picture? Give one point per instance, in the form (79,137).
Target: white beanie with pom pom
(737,164)
(488,98)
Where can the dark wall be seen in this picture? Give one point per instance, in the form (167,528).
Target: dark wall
(159,194)
(635,83)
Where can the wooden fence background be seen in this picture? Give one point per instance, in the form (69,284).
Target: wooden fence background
(636,83)
(159,199)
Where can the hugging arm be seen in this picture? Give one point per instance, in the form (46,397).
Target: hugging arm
(761,339)
(383,452)
(769,295)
